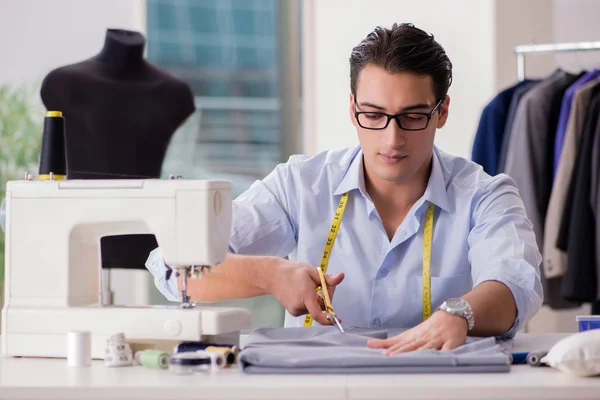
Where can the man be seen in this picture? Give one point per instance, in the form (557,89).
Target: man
(484,262)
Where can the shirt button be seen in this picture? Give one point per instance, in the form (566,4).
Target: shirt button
(376,322)
(383,273)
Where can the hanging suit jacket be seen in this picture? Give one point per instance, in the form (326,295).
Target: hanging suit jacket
(578,226)
(595,205)
(510,117)
(565,111)
(529,159)
(554,261)
(488,139)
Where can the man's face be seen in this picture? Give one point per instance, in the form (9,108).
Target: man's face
(394,154)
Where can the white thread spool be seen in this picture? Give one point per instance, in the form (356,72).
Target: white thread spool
(79,349)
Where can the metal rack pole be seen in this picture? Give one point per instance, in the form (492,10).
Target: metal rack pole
(520,66)
(521,50)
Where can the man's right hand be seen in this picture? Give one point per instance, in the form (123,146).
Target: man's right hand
(295,286)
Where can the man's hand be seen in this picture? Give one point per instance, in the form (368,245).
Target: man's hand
(440,331)
(295,286)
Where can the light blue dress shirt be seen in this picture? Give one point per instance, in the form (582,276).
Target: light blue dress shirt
(480,233)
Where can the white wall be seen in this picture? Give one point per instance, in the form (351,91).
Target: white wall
(332,28)
(521,22)
(577,20)
(38,36)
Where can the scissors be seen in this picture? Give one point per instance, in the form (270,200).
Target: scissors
(329,312)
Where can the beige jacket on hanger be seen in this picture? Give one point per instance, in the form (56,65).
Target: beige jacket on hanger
(555,260)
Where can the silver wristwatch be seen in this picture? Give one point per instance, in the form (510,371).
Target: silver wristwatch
(461,308)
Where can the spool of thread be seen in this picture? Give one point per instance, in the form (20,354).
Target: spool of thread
(229,352)
(225,352)
(152,359)
(534,358)
(53,158)
(79,349)
(518,357)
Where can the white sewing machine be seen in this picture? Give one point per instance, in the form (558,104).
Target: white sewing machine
(53,266)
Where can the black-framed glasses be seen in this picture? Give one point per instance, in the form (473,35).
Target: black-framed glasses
(408,121)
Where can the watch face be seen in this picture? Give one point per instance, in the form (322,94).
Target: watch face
(456,304)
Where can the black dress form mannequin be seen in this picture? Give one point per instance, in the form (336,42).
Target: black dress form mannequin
(120,113)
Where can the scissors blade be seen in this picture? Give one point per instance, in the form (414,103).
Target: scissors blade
(337,322)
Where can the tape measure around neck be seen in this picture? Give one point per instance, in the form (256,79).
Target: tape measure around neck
(335,225)
(427,241)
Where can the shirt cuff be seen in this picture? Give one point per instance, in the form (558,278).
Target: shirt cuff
(520,292)
(512,331)
(168,287)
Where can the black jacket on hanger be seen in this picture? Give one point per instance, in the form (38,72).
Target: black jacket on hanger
(578,226)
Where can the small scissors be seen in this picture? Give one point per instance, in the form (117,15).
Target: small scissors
(329,312)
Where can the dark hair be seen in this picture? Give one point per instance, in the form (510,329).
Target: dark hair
(404,48)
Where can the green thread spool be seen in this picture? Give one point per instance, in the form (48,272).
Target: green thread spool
(155,359)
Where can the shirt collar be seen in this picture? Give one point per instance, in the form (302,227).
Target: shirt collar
(354,178)
(435,193)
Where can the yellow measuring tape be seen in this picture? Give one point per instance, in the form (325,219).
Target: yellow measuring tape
(427,240)
(335,225)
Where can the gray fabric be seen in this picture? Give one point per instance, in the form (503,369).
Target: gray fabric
(524,158)
(512,110)
(324,350)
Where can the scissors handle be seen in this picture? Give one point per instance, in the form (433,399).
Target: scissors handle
(323,287)
(324,294)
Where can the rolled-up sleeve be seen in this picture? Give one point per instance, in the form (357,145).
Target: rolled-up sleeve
(503,248)
(263,223)
(264,216)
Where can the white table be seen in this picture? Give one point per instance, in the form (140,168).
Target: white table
(52,379)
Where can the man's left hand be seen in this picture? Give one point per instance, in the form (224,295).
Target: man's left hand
(440,331)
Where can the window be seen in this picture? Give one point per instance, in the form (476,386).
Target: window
(230,55)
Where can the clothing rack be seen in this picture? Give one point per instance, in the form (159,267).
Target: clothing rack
(521,50)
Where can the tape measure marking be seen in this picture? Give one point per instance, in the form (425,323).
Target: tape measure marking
(427,244)
(333,231)
(427,240)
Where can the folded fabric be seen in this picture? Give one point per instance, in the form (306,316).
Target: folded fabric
(324,350)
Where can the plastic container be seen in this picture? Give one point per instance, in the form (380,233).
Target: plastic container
(588,322)
(191,362)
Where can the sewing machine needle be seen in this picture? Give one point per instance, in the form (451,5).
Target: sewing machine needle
(185,298)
